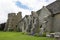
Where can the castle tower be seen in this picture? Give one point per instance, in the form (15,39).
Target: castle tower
(18,17)
(10,22)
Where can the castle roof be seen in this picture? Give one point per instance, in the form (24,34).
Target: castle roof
(54,7)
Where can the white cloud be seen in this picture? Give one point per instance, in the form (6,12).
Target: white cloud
(8,6)
(36,4)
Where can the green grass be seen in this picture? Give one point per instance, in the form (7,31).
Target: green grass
(20,36)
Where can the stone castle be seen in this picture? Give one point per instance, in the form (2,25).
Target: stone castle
(47,19)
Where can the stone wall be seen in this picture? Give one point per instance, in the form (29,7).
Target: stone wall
(56,24)
(46,19)
(35,23)
(29,23)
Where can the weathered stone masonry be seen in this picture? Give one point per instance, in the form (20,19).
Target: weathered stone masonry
(47,19)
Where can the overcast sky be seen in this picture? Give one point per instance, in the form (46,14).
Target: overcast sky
(25,6)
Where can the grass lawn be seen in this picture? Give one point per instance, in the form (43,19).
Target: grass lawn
(20,36)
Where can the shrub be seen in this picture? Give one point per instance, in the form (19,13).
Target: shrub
(25,33)
(36,34)
(11,30)
(44,34)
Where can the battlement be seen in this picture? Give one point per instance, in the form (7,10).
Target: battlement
(26,16)
(11,14)
(32,12)
(19,13)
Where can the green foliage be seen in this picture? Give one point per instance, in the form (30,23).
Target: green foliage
(36,34)
(52,32)
(11,30)
(44,35)
(25,33)
(20,36)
